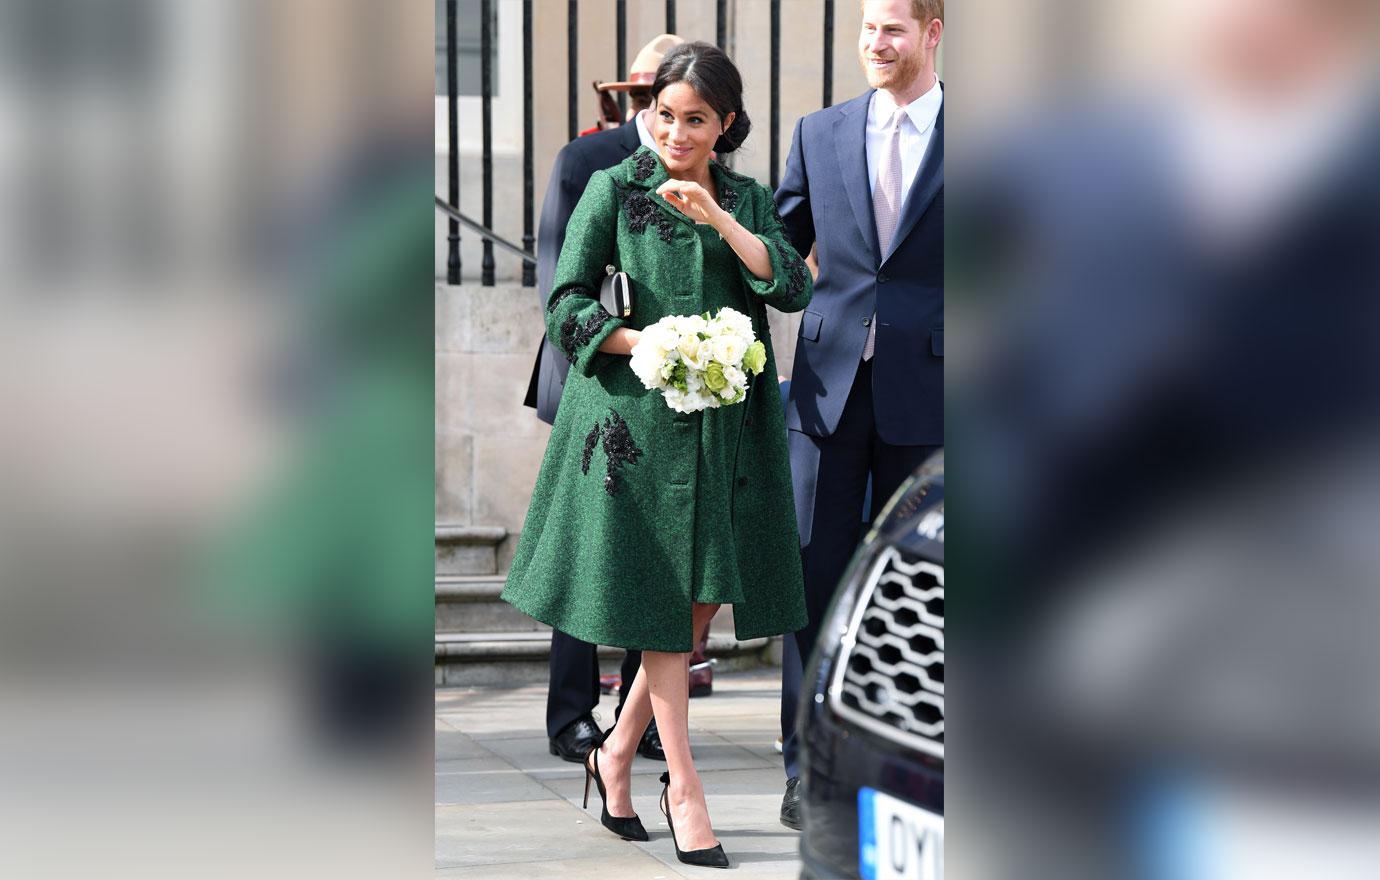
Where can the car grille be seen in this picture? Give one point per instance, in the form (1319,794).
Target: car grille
(890,672)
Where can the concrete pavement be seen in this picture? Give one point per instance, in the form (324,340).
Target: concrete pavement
(505,808)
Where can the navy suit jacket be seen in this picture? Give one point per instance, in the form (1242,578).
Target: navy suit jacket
(825,200)
(575,164)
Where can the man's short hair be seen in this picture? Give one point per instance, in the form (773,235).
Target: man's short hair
(923,10)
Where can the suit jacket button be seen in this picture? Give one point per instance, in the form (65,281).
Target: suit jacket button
(867,322)
(742,481)
(883,277)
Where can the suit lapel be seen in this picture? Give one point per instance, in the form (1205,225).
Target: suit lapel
(850,141)
(631,140)
(928,181)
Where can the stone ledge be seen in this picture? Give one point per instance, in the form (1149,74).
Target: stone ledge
(453,534)
(469,588)
(488,647)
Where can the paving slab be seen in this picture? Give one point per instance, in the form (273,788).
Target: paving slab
(506,808)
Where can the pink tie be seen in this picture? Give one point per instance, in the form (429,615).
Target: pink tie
(886,205)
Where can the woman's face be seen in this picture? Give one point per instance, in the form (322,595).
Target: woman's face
(685,128)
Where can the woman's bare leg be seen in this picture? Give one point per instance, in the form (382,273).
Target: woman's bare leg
(616,755)
(668,681)
(669,675)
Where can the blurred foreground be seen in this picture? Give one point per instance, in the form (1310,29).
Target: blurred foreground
(215,484)
(1163,461)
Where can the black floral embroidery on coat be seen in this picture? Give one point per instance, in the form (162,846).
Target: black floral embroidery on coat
(641,210)
(575,336)
(795,270)
(645,164)
(591,441)
(556,300)
(728,200)
(619,449)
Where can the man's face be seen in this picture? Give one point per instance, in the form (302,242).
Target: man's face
(891,45)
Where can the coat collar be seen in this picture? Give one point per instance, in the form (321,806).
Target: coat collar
(645,170)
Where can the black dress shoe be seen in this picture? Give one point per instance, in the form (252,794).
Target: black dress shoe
(790,805)
(650,747)
(576,739)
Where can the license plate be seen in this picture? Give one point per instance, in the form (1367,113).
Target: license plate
(898,840)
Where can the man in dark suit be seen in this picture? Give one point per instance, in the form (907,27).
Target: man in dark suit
(864,187)
(574,688)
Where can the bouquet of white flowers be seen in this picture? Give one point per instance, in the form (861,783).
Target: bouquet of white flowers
(698,362)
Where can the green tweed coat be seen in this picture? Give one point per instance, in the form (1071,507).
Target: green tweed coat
(638,510)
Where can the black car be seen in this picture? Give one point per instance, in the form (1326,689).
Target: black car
(872,710)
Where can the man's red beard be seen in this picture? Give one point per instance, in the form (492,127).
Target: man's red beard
(901,72)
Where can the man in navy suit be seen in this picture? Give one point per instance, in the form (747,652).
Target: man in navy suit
(574,686)
(864,188)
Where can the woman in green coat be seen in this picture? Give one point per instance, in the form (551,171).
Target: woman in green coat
(644,520)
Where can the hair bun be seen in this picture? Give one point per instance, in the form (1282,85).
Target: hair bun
(733,138)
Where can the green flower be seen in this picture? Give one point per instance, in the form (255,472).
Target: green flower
(714,377)
(755,358)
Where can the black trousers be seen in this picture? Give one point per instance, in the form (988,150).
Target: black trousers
(574,687)
(842,464)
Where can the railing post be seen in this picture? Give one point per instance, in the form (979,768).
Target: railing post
(529,269)
(572,48)
(775,92)
(721,24)
(670,16)
(486,86)
(622,15)
(453,161)
(828,64)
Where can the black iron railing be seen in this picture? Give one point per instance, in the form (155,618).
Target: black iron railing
(490,237)
(452,207)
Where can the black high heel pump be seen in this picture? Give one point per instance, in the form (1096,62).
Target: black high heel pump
(629,828)
(713,857)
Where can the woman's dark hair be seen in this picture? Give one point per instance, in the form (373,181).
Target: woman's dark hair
(715,79)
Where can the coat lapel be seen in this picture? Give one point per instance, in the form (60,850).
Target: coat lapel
(929,180)
(850,141)
(723,179)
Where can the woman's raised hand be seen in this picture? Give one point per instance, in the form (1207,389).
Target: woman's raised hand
(691,199)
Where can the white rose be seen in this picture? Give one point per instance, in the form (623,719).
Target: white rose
(663,335)
(728,349)
(690,325)
(704,353)
(737,323)
(689,348)
(736,377)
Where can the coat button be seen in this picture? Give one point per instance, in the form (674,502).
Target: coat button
(747,422)
(742,481)
(883,277)
(867,322)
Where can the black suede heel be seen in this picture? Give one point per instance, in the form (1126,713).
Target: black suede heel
(713,857)
(629,828)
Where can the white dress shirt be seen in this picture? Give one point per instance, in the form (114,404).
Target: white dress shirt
(916,131)
(642,133)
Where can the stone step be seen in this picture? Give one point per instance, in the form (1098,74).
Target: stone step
(467,549)
(470,604)
(513,658)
